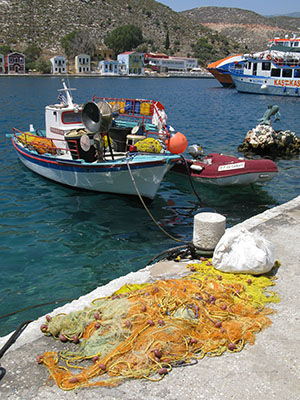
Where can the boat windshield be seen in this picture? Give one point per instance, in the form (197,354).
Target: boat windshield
(71,117)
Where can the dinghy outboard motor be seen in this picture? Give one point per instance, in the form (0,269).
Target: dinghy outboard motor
(97,119)
(195,151)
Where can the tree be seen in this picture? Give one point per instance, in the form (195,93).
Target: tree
(5,49)
(77,42)
(167,42)
(203,50)
(32,53)
(43,66)
(124,38)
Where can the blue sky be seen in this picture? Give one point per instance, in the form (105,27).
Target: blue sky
(263,7)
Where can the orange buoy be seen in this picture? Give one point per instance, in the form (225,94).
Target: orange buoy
(177,143)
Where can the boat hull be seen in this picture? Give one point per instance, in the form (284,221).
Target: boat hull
(223,77)
(267,86)
(237,180)
(221,170)
(220,69)
(108,177)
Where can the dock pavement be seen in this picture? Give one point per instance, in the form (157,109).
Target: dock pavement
(267,370)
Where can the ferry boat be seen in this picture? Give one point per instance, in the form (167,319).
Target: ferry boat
(93,147)
(275,71)
(293,42)
(220,69)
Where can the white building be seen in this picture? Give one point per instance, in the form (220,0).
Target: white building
(178,64)
(109,67)
(58,65)
(189,63)
(82,63)
(2,70)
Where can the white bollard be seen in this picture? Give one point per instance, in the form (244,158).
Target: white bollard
(208,229)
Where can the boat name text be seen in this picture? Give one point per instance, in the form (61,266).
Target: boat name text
(287,82)
(55,130)
(231,166)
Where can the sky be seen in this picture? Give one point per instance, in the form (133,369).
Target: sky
(263,7)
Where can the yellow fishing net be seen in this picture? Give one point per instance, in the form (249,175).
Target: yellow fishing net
(143,330)
(41,144)
(148,145)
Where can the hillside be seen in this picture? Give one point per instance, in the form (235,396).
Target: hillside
(45,22)
(208,33)
(246,27)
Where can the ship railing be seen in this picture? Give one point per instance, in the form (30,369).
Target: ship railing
(281,62)
(131,112)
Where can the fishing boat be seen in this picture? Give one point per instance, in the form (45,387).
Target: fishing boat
(220,69)
(275,71)
(95,146)
(224,170)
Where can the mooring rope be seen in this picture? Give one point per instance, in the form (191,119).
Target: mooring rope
(147,209)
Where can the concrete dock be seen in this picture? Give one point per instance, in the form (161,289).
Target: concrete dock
(267,370)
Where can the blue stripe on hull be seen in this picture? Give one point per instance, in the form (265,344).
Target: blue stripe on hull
(113,177)
(77,166)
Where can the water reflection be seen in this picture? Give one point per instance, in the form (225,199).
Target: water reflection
(57,242)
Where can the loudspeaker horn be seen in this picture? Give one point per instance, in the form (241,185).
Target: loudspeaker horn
(97,117)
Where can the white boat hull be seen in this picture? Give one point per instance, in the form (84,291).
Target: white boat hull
(267,86)
(109,177)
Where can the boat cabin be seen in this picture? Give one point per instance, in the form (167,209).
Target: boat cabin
(62,118)
(271,69)
(293,42)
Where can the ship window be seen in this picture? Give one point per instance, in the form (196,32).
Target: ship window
(287,73)
(297,73)
(296,44)
(70,117)
(266,66)
(238,66)
(275,72)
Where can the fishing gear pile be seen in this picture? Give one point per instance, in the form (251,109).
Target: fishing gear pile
(143,331)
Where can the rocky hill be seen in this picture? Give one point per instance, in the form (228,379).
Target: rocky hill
(45,22)
(207,33)
(246,27)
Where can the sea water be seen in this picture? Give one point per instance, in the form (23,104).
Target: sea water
(57,243)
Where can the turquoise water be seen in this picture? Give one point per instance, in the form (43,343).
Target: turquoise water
(57,243)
